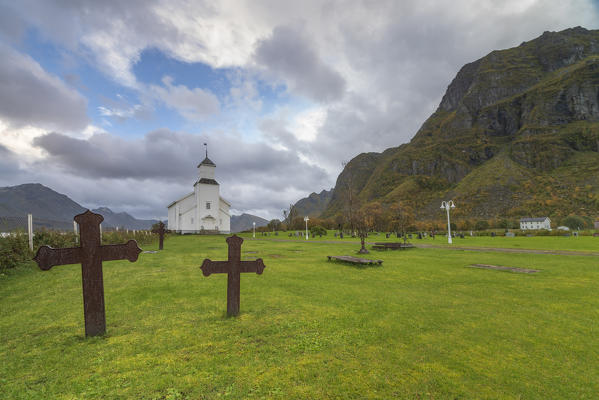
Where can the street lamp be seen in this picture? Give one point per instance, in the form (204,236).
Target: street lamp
(306,219)
(447,205)
(254,223)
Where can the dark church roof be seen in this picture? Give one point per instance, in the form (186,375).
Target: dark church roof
(207,181)
(207,161)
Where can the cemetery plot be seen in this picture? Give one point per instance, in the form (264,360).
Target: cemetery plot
(355,260)
(503,268)
(391,246)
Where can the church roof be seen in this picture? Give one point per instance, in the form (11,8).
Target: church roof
(207,181)
(207,161)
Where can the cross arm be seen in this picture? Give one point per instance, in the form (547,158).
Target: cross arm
(47,257)
(214,267)
(129,251)
(252,266)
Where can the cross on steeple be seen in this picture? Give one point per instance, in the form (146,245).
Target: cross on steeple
(90,254)
(206,148)
(234,267)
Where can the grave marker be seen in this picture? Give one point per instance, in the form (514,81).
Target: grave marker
(160,231)
(90,254)
(233,267)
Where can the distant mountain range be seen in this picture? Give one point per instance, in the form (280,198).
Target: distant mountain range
(243,222)
(53,210)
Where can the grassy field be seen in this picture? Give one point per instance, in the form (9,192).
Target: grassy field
(421,326)
(581,243)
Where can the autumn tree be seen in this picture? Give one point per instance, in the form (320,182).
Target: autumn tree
(403,216)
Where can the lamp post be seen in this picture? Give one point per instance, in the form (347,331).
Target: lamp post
(254,235)
(306,219)
(447,205)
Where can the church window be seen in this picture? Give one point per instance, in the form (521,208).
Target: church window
(207,205)
(192,220)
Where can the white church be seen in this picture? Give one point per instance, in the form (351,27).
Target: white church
(203,210)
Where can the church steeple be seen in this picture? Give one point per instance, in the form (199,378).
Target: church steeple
(206,170)
(206,161)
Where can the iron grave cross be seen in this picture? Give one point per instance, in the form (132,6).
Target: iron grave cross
(234,267)
(90,254)
(160,231)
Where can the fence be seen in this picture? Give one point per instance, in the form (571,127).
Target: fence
(31,224)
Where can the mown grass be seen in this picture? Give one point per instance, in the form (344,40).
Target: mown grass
(421,326)
(562,243)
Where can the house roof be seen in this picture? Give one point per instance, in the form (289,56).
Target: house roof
(533,219)
(207,161)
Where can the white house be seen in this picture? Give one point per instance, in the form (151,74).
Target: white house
(203,210)
(535,223)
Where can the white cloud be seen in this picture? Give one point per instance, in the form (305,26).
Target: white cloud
(193,104)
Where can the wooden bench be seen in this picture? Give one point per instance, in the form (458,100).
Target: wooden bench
(391,246)
(355,260)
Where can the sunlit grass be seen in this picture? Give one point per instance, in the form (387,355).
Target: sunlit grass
(420,326)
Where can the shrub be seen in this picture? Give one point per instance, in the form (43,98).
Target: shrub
(14,249)
(481,225)
(574,222)
(318,230)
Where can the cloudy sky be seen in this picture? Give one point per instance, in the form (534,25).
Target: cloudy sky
(110,102)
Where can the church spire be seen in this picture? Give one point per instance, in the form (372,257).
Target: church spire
(206,161)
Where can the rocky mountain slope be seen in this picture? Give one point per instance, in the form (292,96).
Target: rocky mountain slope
(53,210)
(314,204)
(516,134)
(243,222)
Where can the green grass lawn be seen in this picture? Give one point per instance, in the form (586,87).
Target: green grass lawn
(420,326)
(581,243)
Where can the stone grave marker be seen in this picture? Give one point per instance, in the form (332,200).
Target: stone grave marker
(233,267)
(90,254)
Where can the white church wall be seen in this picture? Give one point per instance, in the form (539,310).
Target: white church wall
(208,194)
(187,221)
(224,218)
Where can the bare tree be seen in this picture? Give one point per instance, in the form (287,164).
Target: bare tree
(363,223)
(403,217)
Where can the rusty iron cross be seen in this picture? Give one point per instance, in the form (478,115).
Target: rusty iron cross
(234,267)
(90,254)
(160,231)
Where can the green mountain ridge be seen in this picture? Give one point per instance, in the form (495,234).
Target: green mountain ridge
(314,204)
(516,134)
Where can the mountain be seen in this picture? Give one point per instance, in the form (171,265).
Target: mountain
(516,134)
(51,209)
(243,222)
(123,220)
(314,204)
(39,200)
